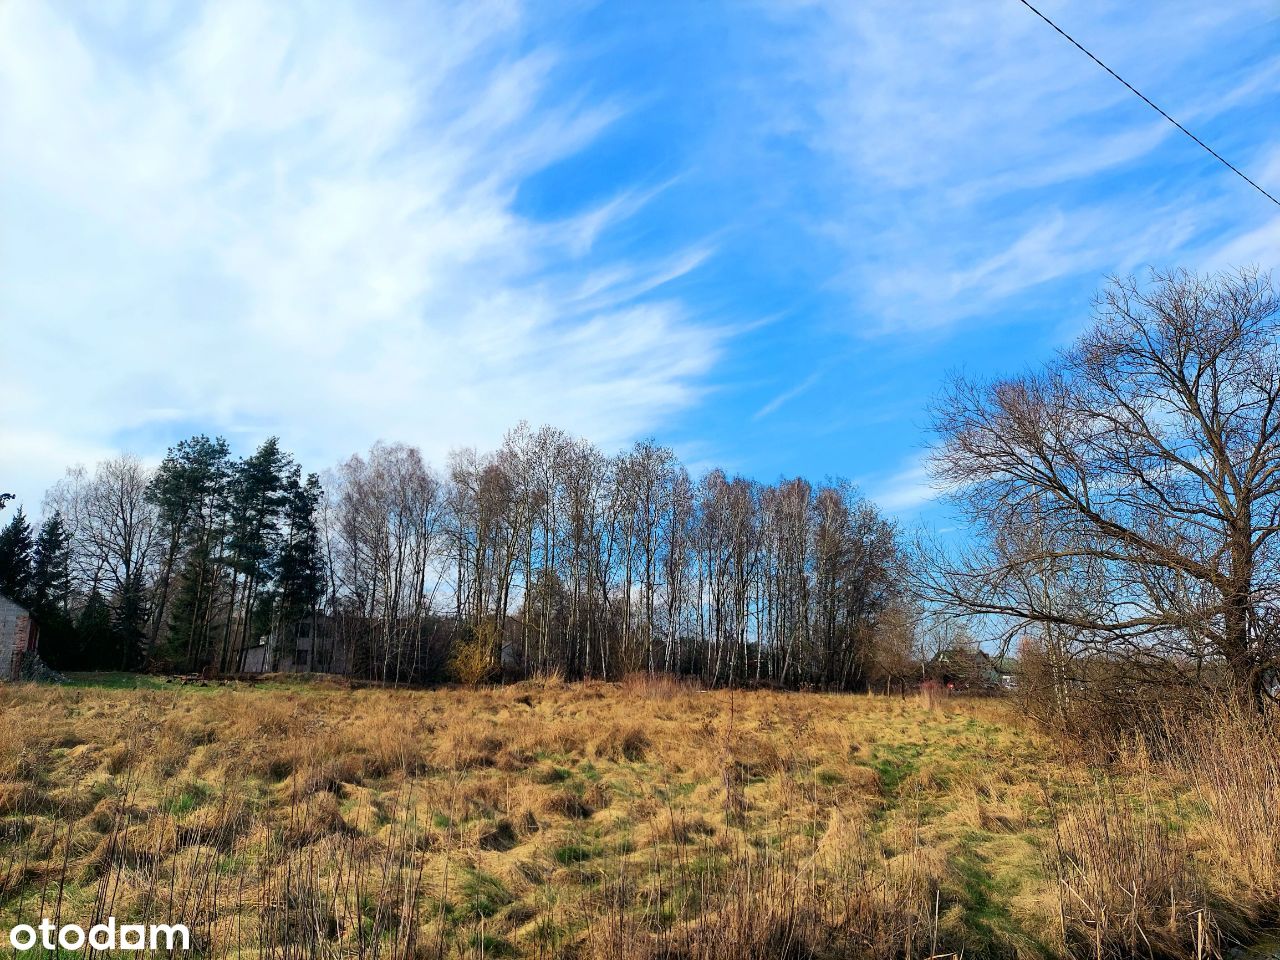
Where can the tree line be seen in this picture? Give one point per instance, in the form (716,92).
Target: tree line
(177,566)
(1121,506)
(543,556)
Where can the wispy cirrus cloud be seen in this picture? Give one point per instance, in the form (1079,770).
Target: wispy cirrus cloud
(977,156)
(305,220)
(786,395)
(905,491)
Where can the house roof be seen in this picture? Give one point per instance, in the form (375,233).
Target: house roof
(960,653)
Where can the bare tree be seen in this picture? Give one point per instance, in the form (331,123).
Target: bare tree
(1129,491)
(384,526)
(115,541)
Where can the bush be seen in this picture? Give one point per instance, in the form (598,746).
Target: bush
(472,660)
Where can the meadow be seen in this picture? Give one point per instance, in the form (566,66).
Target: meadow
(646,819)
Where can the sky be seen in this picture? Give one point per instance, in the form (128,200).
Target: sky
(763,233)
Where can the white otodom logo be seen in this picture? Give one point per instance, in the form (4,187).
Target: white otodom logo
(101,936)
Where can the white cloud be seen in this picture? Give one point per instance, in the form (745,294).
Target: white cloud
(1259,246)
(975,154)
(905,490)
(302,220)
(789,394)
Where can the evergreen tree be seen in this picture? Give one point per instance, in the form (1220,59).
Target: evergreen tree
(192,612)
(190,491)
(16,554)
(50,594)
(129,612)
(299,566)
(257,500)
(97,643)
(51,567)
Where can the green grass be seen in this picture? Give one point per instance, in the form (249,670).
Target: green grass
(985,896)
(116,680)
(120,680)
(487,945)
(895,764)
(484,894)
(571,853)
(190,796)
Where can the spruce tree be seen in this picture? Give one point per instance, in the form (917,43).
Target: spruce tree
(97,643)
(192,610)
(16,554)
(129,613)
(51,567)
(299,566)
(50,594)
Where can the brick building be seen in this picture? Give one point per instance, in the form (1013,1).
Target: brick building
(19,634)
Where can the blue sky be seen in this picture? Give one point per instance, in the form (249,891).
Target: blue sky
(760,232)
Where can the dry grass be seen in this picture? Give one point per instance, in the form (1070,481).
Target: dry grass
(631,821)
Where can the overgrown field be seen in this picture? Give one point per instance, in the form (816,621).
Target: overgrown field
(640,820)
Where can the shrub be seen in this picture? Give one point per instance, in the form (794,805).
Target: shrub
(472,660)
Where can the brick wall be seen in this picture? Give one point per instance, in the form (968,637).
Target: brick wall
(17,637)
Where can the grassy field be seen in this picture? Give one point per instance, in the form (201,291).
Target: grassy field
(640,820)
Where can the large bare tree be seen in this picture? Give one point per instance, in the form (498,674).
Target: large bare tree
(1129,491)
(115,541)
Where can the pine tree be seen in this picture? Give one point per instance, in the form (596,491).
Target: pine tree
(191,492)
(257,500)
(16,549)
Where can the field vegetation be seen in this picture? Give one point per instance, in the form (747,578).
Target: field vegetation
(644,819)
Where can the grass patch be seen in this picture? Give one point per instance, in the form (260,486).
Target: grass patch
(189,797)
(484,894)
(569,854)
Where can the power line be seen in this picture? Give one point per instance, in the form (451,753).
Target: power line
(1213,153)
